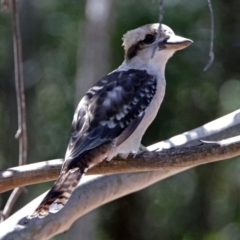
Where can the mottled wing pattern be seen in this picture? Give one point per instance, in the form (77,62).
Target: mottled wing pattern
(114,104)
(111,109)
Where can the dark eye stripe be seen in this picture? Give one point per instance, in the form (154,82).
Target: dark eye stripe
(133,50)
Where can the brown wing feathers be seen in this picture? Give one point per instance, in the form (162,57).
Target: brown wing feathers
(59,193)
(70,175)
(112,109)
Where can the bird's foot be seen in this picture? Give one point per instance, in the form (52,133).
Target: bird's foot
(144,149)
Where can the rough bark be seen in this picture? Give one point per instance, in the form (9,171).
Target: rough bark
(96,191)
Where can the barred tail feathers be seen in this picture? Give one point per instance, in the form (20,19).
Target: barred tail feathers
(59,194)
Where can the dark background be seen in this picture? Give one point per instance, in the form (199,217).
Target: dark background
(203,203)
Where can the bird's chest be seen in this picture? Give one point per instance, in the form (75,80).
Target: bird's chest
(133,142)
(152,109)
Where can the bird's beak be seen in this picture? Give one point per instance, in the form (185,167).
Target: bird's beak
(177,42)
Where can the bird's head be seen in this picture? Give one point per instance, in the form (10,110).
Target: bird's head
(139,44)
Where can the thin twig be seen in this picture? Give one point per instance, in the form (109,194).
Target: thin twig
(211,53)
(158,39)
(10,203)
(22,129)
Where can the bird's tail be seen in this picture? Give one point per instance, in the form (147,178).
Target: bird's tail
(59,193)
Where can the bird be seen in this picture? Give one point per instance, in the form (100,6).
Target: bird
(114,114)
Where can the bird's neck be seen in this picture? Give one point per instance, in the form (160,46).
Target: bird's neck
(153,67)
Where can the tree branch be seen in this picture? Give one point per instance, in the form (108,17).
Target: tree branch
(221,128)
(146,161)
(95,192)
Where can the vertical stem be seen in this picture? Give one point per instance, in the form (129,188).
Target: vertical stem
(10,203)
(22,129)
(158,38)
(211,52)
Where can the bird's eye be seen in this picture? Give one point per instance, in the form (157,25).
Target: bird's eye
(149,39)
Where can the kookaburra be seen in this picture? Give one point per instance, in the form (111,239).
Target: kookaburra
(114,114)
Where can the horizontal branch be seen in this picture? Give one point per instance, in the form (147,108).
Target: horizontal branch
(90,194)
(95,192)
(146,161)
(221,128)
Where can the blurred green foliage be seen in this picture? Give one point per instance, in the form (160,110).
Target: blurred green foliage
(202,203)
